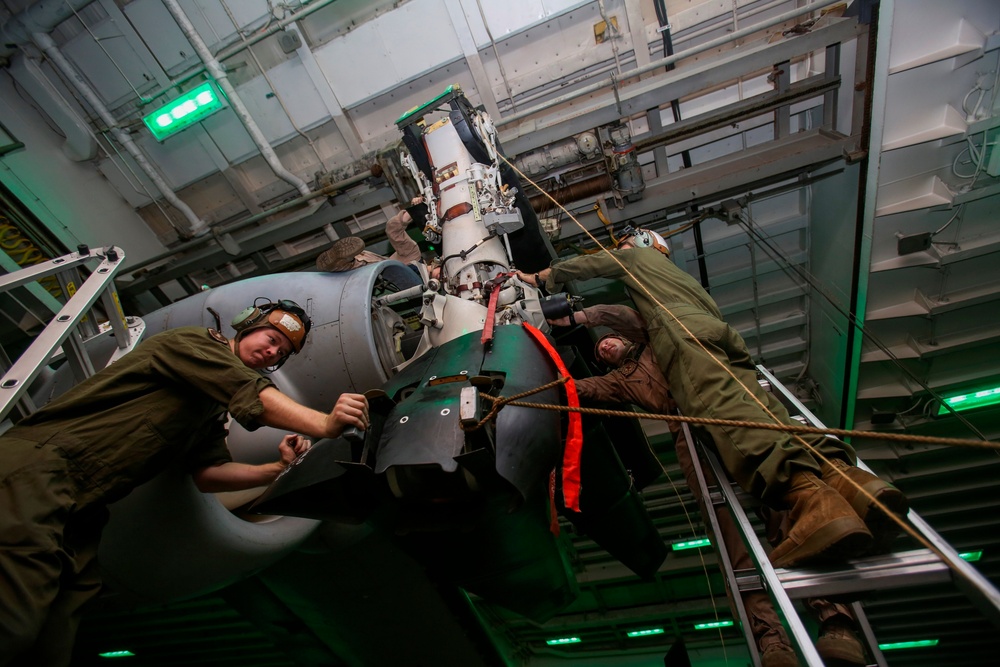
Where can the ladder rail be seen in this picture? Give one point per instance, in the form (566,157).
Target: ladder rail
(708,506)
(799,634)
(18,378)
(979,589)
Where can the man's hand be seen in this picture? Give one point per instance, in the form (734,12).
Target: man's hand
(291,447)
(536,279)
(233,476)
(350,410)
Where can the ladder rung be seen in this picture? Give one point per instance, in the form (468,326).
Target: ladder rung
(917,567)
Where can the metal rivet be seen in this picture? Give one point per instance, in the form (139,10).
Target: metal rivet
(404,419)
(464,373)
(445,412)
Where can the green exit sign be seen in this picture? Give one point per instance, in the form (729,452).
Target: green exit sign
(191,107)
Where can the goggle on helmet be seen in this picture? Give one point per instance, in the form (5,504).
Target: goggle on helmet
(644,238)
(284,315)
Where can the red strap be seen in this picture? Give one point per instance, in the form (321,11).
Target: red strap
(574,433)
(491,312)
(493,287)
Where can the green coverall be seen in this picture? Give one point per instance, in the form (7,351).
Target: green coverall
(760,461)
(162,404)
(641,382)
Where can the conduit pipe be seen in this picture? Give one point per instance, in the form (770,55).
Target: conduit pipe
(218,72)
(233,49)
(48,46)
(664,62)
(331,189)
(41,16)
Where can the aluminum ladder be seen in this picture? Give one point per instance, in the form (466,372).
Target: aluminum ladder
(894,570)
(66,333)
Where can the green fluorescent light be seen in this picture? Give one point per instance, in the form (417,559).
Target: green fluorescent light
(562,640)
(426,105)
(193,106)
(916,644)
(971,556)
(696,543)
(645,633)
(712,625)
(970,400)
(116,654)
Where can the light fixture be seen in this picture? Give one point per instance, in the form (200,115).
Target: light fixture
(920,643)
(970,400)
(971,556)
(420,107)
(645,633)
(562,640)
(712,625)
(695,543)
(191,107)
(116,654)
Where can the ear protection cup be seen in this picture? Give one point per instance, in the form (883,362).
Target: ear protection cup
(247,318)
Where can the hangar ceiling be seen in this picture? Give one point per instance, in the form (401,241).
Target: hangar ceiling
(828,172)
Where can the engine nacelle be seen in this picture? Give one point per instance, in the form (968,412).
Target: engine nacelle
(166,540)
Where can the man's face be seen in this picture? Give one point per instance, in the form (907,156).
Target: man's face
(264,347)
(611,350)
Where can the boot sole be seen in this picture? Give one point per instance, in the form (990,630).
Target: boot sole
(838,540)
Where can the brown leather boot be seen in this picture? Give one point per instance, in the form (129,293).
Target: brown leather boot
(823,525)
(340,256)
(839,646)
(883,528)
(772,640)
(779,655)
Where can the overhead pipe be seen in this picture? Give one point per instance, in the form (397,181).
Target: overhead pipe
(220,230)
(572,192)
(41,16)
(237,47)
(664,62)
(48,46)
(218,72)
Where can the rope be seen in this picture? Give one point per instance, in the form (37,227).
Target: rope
(787,428)
(500,401)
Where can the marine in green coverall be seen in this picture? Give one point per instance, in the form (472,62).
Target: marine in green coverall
(636,378)
(828,511)
(161,405)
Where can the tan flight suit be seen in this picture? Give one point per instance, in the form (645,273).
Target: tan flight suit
(760,461)
(162,404)
(640,381)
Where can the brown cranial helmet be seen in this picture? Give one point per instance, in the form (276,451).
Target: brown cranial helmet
(284,315)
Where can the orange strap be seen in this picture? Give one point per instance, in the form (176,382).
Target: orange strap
(574,433)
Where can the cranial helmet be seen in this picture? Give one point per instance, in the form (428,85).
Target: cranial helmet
(597,346)
(284,315)
(644,238)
